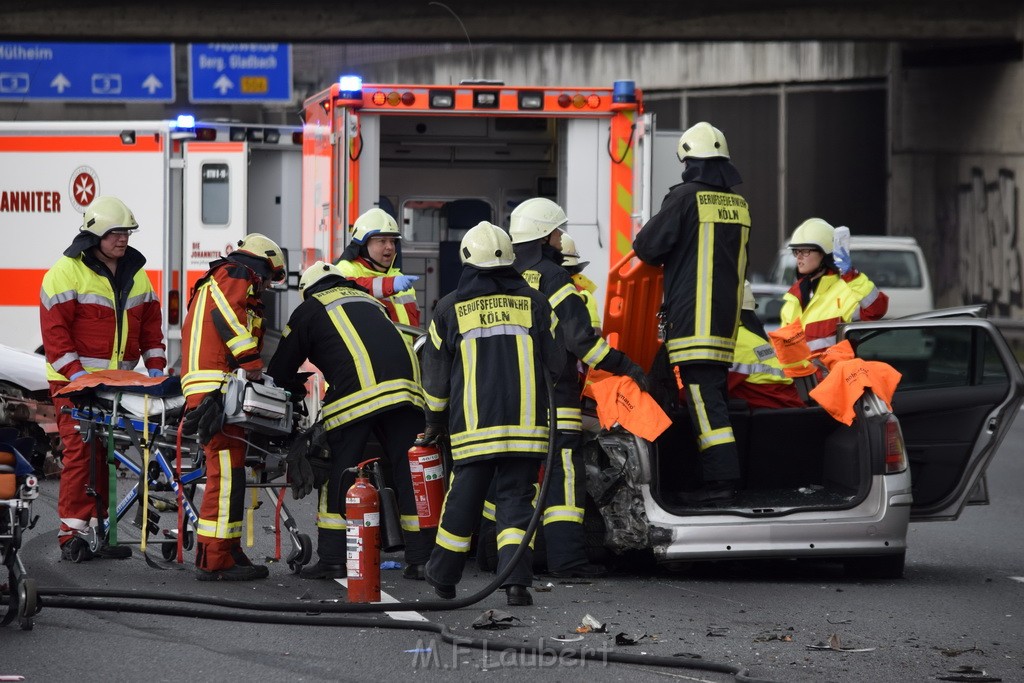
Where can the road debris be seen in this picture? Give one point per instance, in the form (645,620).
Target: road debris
(834,643)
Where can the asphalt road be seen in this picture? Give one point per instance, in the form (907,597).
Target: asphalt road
(960,605)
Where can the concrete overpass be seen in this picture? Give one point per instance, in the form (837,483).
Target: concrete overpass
(554,20)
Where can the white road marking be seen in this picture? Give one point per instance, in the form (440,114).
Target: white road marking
(384,599)
(1019,579)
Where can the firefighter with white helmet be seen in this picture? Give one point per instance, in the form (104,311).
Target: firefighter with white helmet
(98,311)
(536,229)
(584,285)
(493,331)
(700,237)
(828,290)
(756,376)
(373,259)
(223,332)
(373,388)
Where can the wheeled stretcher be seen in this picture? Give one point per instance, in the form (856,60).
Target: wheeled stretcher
(18,488)
(134,422)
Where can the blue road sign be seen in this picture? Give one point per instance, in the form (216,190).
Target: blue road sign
(105,72)
(240,72)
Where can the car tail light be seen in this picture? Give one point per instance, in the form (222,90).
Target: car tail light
(895,449)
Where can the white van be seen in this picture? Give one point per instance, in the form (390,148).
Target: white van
(895,264)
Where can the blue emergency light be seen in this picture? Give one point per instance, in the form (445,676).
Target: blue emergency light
(185,121)
(624,91)
(350,88)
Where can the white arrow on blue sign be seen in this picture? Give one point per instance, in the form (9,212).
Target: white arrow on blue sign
(104,72)
(239,72)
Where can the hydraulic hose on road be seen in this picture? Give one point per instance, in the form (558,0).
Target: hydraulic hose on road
(99,600)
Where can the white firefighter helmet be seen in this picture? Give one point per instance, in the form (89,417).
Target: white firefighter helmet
(813,233)
(374,223)
(315,273)
(535,218)
(570,254)
(106,214)
(486,246)
(263,247)
(748,297)
(702,141)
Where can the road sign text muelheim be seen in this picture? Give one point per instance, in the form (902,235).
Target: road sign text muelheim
(96,72)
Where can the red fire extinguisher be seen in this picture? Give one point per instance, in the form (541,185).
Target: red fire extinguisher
(362,537)
(427,472)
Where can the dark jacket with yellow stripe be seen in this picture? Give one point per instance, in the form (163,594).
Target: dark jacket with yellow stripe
(488,345)
(582,342)
(700,237)
(345,332)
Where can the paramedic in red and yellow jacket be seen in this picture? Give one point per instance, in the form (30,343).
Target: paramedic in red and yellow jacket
(373,261)
(97,311)
(223,332)
(828,290)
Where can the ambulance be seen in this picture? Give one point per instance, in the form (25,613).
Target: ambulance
(441,158)
(195,188)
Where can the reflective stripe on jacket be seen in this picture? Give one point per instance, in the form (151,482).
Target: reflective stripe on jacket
(347,335)
(87,326)
(700,237)
(401,306)
(834,300)
(482,373)
(223,329)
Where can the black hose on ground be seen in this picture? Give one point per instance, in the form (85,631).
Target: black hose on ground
(100,600)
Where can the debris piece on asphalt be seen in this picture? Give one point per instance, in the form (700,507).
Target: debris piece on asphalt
(494,620)
(390,564)
(967,674)
(623,639)
(589,624)
(717,631)
(546,588)
(834,643)
(562,638)
(956,652)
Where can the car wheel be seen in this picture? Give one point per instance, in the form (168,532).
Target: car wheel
(878,567)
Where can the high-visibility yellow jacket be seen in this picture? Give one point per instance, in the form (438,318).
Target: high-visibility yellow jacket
(93,320)
(756,375)
(401,306)
(832,299)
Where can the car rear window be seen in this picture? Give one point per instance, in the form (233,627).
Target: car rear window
(889,268)
(886,268)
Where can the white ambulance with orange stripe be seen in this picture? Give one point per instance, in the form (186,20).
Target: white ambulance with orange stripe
(195,189)
(441,158)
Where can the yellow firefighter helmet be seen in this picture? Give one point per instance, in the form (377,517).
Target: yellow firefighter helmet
(263,247)
(374,223)
(315,273)
(702,141)
(813,233)
(535,218)
(486,246)
(106,214)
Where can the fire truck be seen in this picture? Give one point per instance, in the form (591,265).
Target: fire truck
(195,188)
(441,158)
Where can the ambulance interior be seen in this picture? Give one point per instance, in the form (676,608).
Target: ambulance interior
(440,176)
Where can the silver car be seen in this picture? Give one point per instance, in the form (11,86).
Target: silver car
(813,487)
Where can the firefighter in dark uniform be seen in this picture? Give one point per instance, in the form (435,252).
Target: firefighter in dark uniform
(535,227)
(700,237)
(373,388)
(489,343)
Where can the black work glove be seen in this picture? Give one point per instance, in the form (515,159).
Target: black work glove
(637,374)
(432,434)
(206,419)
(300,472)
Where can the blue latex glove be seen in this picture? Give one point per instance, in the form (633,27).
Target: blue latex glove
(77,375)
(841,250)
(404,282)
(155,372)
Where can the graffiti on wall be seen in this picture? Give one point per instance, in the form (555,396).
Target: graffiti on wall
(990,243)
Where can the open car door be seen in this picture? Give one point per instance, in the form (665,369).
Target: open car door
(960,391)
